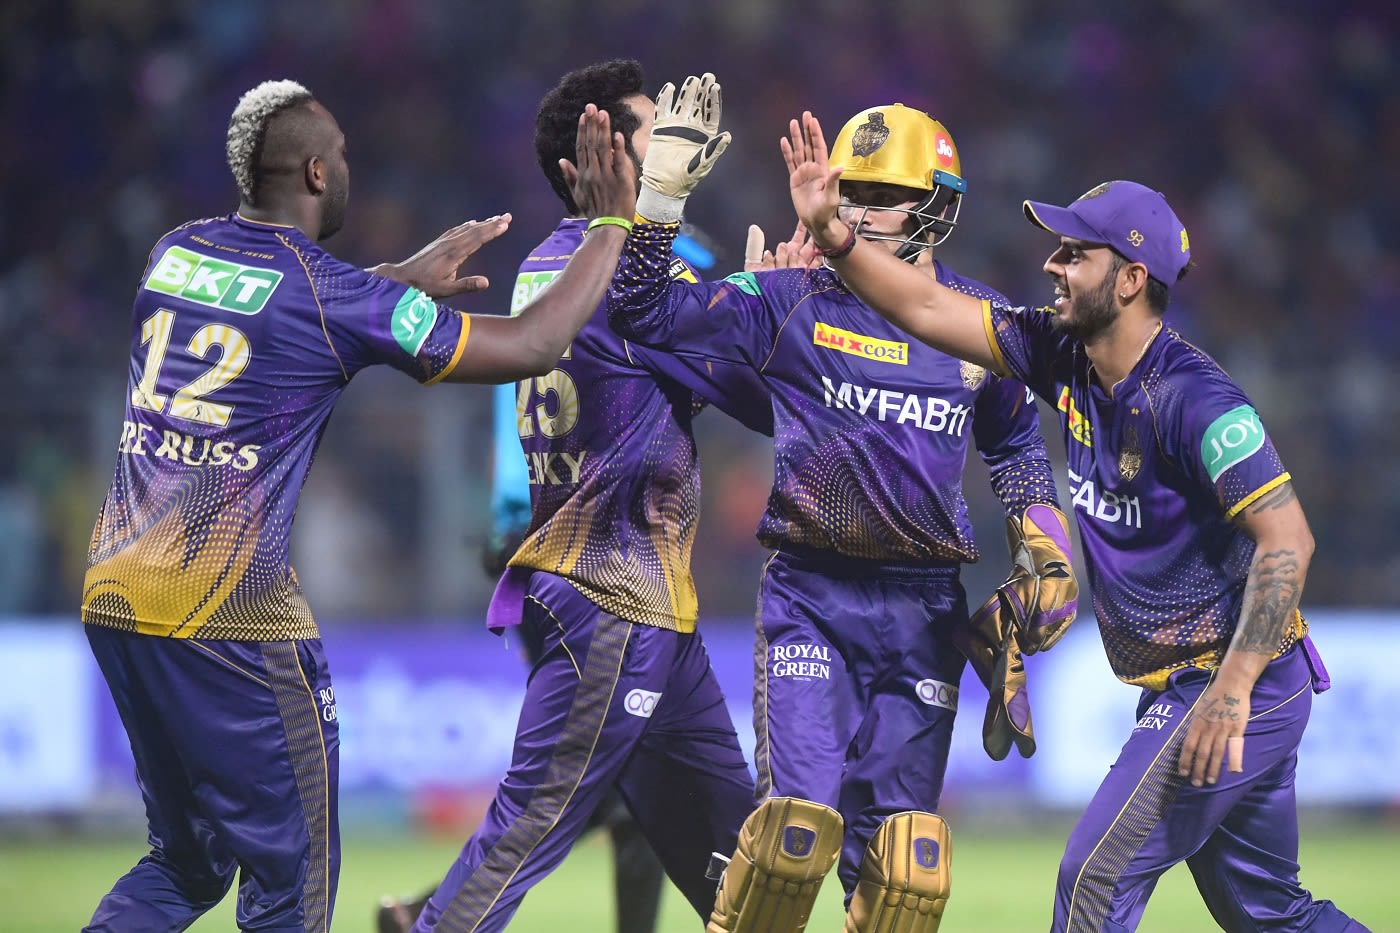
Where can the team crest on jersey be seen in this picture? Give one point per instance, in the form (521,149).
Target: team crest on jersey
(972,374)
(1130,457)
(870,135)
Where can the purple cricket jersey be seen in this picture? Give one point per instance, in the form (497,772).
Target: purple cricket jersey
(614,479)
(243,336)
(1157,472)
(871,430)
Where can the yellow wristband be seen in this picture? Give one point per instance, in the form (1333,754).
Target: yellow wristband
(622,222)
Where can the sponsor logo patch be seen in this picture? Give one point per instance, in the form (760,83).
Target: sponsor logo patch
(798,841)
(936,693)
(412,320)
(216,283)
(926,852)
(641,703)
(1079,427)
(872,348)
(1235,436)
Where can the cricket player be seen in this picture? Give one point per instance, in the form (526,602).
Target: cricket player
(244,334)
(621,700)
(1196,545)
(861,612)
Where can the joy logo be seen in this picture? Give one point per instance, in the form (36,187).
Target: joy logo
(641,703)
(937,693)
(1235,436)
(926,852)
(326,696)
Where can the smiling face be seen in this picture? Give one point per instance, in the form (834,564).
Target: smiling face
(1085,276)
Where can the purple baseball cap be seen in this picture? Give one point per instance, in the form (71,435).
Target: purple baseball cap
(1129,217)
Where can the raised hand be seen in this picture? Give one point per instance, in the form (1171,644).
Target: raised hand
(433,270)
(813,182)
(798,252)
(684,145)
(604,182)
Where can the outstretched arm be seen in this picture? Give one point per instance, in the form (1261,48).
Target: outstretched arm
(1283,550)
(942,318)
(502,349)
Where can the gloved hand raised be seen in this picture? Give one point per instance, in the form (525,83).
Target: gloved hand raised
(685,143)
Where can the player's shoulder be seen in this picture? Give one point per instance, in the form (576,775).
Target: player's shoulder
(968,286)
(1186,366)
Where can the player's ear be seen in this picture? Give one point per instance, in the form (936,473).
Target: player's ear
(315,173)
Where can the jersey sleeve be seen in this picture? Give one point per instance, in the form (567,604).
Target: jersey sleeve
(1222,444)
(1025,344)
(373,320)
(1006,430)
(729,321)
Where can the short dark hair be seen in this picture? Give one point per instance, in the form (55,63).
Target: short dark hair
(1158,294)
(606,84)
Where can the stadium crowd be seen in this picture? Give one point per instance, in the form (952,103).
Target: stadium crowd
(1273,128)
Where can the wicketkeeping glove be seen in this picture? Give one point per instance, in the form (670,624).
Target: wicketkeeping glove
(1041,594)
(685,143)
(990,645)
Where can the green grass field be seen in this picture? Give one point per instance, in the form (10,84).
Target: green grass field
(1002,883)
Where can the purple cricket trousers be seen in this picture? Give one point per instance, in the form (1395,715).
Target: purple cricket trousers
(1239,836)
(237,752)
(856,687)
(609,704)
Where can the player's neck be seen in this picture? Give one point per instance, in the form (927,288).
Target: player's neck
(283,215)
(1118,350)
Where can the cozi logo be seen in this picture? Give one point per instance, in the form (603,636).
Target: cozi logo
(1235,436)
(936,693)
(326,696)
(872,348)
(216,283)
(413,320)
(926,852)
(1079,427)
(798,841)
(641,703)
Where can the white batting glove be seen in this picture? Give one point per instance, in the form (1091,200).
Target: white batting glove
(685,143)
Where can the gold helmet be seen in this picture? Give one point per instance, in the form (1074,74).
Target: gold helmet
(897,145)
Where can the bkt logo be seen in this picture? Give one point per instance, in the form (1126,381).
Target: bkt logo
(936,693)
(641,703)
(213,282)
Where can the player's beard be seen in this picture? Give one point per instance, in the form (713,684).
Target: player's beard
(1093,312)
(336,195)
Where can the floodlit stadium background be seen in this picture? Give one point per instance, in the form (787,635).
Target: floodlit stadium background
(1273,128)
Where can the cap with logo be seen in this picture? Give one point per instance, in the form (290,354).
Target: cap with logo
(1131,218)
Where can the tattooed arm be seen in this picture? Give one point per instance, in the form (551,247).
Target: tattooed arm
(1283,549)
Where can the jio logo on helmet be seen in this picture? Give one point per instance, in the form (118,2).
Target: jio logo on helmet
(641,703)
(937,693)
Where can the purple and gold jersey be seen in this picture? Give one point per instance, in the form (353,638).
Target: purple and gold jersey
(872,430)
(243,336)
(1157,472)
(614,480)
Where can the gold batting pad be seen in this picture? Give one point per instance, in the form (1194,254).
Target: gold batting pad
(904,877)
(785,849)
